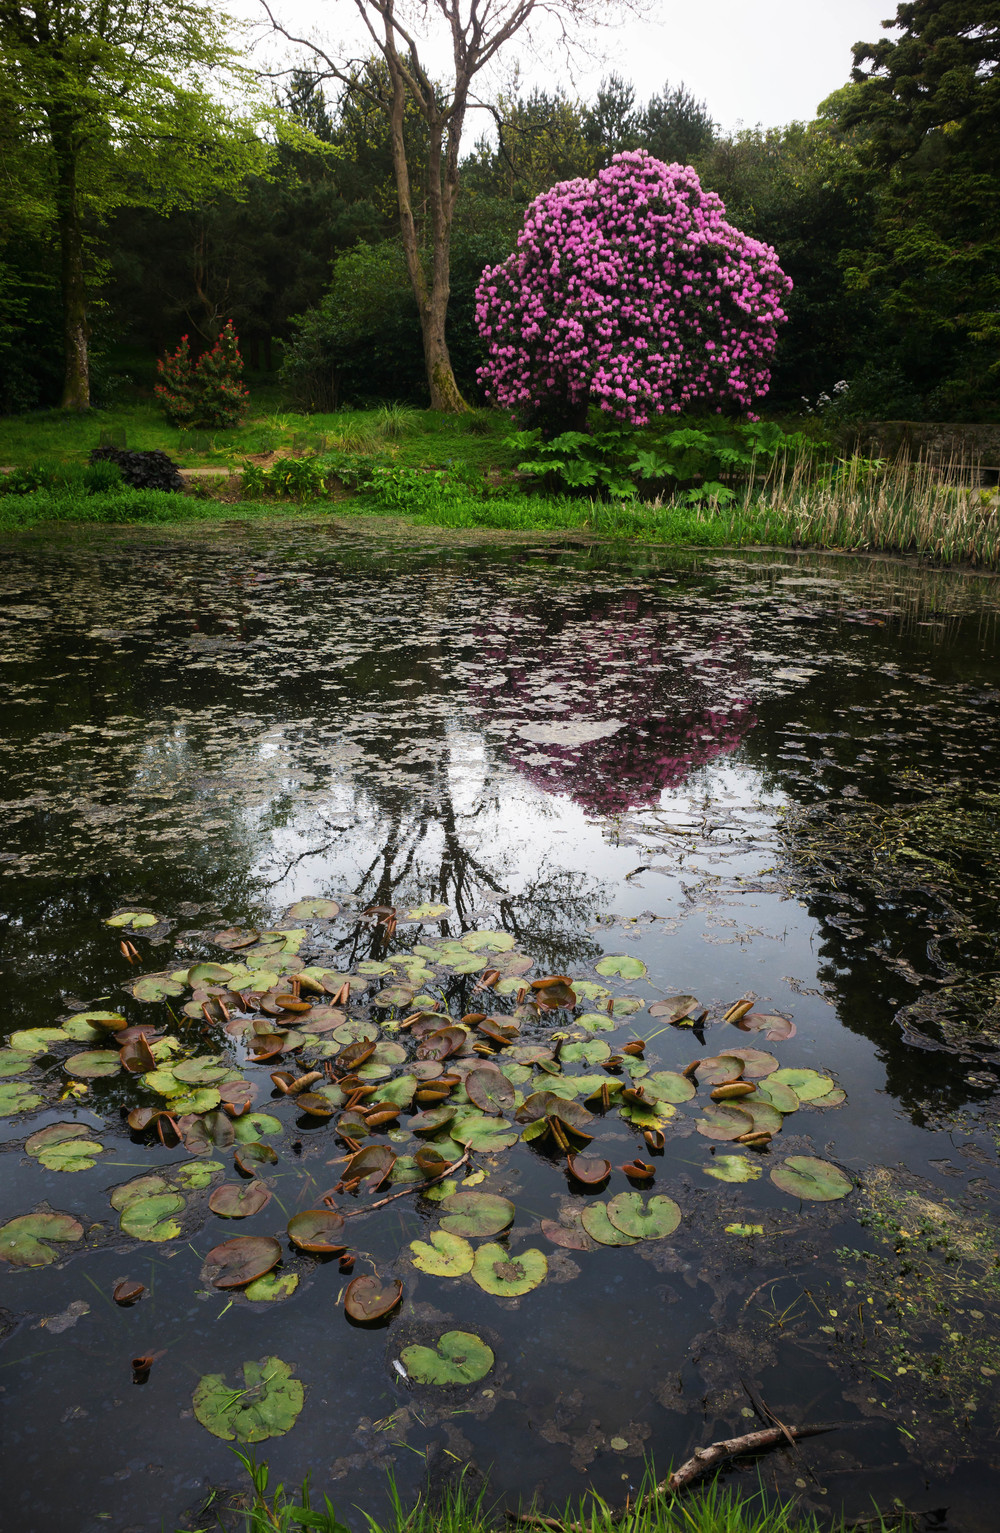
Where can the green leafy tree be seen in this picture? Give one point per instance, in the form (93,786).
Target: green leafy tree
(114,107)
(539,140)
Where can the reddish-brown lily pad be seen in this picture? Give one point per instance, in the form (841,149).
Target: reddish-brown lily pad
(318,1230)
(490,1091)
(236,1262)
(773,1029)
(238,1200)
(589,1170)
(369,1298)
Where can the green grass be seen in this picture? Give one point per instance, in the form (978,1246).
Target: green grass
(20,513)
(704,1509)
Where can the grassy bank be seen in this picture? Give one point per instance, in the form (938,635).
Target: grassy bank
(710,1509)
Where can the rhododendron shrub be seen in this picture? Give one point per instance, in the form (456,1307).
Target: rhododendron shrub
(208,392)
(631,292)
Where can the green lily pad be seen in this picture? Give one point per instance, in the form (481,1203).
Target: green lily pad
(744,1229)
(374,966)
(31,1240)
(427,912)
(197,1174)
(267,1405)
(272,1286)
(626,1005)
(201,1072)
(13,1063)
(719,1069)
(596,1022)
(36,1040)
(805,1177)
(87,1026)
(64,1147)
(498,1272)
(314,910)
(200,1101)
(442,1255)
(477,1131)
(720,1120)
(489,942)
(757,1063)
(139,1187)
(622,964)
(15,1097)
(210,973)
(591,1052)
(587,990)
(138,920)
(393,995)
(476,1214)
(318,1230)
(92,1064)
(807,1084)
(658,1218)
(459,1358)
(152,1218)
(597,1224)
(733,1168)
(256,1125)
(668,1086)
(834,1098)
(157,987)
(777,1095)
(766,1119)
(405,1171)
(399,1091)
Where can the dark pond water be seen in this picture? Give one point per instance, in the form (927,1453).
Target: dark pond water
(762,777)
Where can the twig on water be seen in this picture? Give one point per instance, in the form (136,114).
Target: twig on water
(704,1459)
(352,1213)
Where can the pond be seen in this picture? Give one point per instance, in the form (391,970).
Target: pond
(680,782)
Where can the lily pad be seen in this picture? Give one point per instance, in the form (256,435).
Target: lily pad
(733,1168)
(255,1125)
(272,1286)
(490,1091)
(490,942)
(476,1214)
(201,1072)
(237,1262)
(442,1254)
(152,1218)
(238,1200)
(757,1063)
(805,1177)
(721,1121)
(235,937)
(83,1025)
(319,1230)
(15,1097)
(777,1095)
(370,1297)
(773,1029)
(157,987)
(32,1239)
(596,1022)
(744,1229)
(590,1052)
(668,1086)
(36,1040)
(314,910)
(64,1147)
(268,1404)
(589,1170)
(807,1084)
(459,1358)
(834,1098)
(137,920)
(599,1227)
(625,965)
(675,1007)
(92,1064)
(427,912)
(659,1217)
(719,1070)
(479,1132)
(498,1272)
(13,1063)
(197,1175)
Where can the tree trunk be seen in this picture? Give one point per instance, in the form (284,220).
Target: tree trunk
(445,393)
(76,388)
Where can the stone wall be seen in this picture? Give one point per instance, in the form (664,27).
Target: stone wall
(973,448)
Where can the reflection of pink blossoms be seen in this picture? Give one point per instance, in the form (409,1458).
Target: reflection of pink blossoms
(631,291)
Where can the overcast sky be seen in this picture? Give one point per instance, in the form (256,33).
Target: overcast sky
(751,61)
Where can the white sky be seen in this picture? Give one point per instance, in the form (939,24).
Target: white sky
(752,61)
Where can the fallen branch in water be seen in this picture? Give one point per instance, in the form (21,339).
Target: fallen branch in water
(704,1459)
(352,1213)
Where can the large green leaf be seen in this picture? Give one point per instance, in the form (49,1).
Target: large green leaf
(507,1276)
(442,1255)
(459,1358)
(64,1147)
(32,1240)
(490,942)
(807,1084)
(13,1063)
(476,1214)
(622,964)
(668,1086)
(733,1168)
(92,1064)
(267,1405)
(477,1131)
(15,1097)
(597,1224)
(659,1217)
(805,1177)
(152,1218)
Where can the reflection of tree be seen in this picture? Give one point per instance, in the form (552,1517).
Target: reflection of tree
(673,693)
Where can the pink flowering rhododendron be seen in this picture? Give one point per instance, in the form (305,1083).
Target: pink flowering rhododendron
(631,292)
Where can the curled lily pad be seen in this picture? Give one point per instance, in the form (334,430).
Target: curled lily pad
(659,1217)
(64,1147)
(152,1218)
(15,1097)
(459,1358)
(507,1276)
(489,1135)
(314,910)
(249,1156)
(599,1227)
(272,1286)
(668,1086)
(32,1239)
(589,1170)
(85,1023)
(623,964)
(676,1008)
(805,1177)
(720,1121)
(807,1084)
(92,1064)
(237,1262)
(553,992)
(13,1063)
(238,1200)
(157,987)
(267,1405)
(442,1254)
(319,1230)
(371,1298)
(733,1168)
(476,1214)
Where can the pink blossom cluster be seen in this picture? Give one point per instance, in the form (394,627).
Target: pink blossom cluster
(633,292)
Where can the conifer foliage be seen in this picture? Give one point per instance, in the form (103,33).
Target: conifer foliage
(208,392)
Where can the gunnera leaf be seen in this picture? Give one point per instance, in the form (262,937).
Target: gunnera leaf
(476,1214)
(267,1405)
(805,1177)
(32,1240)
(442,1255)
(498,1272)
(652,1221)
(459,1358)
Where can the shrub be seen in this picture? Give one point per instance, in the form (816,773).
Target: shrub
(205,393)
(632,292)
(141,470)
(62,478)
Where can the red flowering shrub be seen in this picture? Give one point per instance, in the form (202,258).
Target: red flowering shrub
(208,392)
